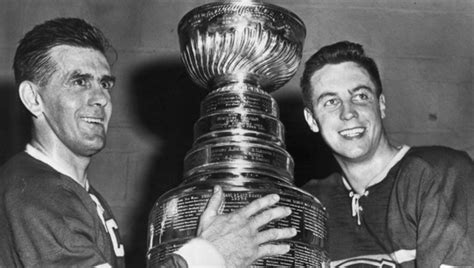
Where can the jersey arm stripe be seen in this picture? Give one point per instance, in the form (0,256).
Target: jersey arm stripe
(404,255)
(103,265)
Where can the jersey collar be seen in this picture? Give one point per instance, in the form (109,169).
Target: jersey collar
(38,155)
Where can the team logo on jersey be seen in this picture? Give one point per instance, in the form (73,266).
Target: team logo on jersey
(112,227)
(378,260)
(364,262)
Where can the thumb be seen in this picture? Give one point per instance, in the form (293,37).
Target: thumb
(213,205)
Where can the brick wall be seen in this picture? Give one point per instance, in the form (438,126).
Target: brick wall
(425,52)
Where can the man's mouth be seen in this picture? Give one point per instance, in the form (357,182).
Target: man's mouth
(93,120)
(352,133)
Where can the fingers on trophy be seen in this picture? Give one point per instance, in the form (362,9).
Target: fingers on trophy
(238,235)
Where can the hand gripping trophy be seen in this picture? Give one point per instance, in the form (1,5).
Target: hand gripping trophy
(241,51)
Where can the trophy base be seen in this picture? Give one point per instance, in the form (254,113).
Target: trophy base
(175,216)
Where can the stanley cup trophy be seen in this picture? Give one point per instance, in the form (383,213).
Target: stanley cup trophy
(241,51)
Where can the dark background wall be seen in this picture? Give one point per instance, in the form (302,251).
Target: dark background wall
(425,51)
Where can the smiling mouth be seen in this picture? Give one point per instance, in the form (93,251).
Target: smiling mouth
(93,120)
(353,132)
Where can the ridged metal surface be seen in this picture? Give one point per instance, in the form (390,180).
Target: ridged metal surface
(242,41)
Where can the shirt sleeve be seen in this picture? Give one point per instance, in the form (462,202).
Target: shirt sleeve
(201,253)
(437,202)
(52,226)
(173,261)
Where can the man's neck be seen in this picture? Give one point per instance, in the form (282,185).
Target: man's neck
(361,174)
(59,157)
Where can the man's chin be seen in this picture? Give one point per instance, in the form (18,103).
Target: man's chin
(92,147)
(352,154)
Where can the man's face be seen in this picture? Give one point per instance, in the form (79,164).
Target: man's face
(346,110)
(77,104)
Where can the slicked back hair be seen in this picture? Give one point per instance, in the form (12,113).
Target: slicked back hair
(32,60)
(336,53)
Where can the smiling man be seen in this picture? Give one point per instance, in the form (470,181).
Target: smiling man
(391,204)
(49,214)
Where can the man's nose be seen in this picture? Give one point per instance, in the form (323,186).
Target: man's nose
(348,111)
(99,96)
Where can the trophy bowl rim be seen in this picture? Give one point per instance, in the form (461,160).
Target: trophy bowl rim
(249,3)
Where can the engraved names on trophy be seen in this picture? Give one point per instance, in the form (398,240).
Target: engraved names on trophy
(247,100)
(180,215)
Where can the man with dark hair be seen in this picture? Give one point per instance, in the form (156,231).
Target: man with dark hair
(390,204)
(49,214)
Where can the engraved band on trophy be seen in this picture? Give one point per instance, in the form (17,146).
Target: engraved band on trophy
(241,51)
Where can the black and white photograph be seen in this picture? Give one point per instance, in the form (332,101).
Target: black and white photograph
(236,133)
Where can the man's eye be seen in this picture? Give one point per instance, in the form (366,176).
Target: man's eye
(81,82)
(107,84)
(361,97)
(331,102)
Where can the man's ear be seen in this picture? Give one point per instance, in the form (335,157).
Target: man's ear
(308,115)
(382,105)
(30,97)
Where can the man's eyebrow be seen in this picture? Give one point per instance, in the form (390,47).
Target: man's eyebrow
(78,74)
(108,78)
(360,88)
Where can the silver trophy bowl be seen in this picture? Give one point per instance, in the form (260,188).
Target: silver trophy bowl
(240,51)
(241,41)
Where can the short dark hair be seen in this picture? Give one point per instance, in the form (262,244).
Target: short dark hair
(339,52)
(32,60)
